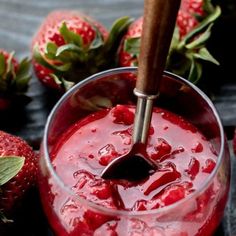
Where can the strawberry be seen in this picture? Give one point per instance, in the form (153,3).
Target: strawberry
(18,169)
(187,52)
(69,46)
(14,79)
(187,15)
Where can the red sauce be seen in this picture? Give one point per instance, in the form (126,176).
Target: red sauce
(184,157)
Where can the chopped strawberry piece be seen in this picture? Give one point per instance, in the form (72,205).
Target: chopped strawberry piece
(209,166)
(96,220)
(173,194)
(162,148)
(193,168)
(107,154)
(122,115)
(125,136)
(198,147)
(93,188)
(108,229)
(140,205)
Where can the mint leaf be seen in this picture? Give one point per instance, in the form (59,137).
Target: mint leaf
(9,167)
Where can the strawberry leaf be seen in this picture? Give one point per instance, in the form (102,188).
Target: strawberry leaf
(97,42)
(195,71)
(56,79)
(9,167)
(118,29)
(201,40)
(207,6)
(67,84)
(22,83)
(175,38)
(24,67)
(132,45)
(62,82)
(204,54)
(62,68)
(69,48)
(23,77)
(38,58)
(10,66)
(51,50)
(70,53)
(205,23)
(70,37)
(2,64)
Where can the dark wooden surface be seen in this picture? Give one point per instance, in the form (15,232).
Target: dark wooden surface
(19,21)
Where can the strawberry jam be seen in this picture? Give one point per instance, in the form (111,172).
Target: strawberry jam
(184,157)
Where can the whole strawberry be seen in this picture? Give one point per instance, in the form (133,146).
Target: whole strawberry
(14,79)
(69,46)
(188,48)
(18,171)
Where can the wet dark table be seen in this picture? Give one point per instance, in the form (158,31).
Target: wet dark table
(19,21)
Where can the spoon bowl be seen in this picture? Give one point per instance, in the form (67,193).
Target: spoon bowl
(132,166)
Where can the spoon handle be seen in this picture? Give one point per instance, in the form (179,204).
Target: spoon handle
(158,26)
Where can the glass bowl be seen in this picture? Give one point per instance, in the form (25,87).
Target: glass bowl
(197,214)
